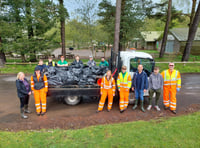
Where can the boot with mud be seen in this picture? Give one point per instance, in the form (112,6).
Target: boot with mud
(142,106)
(22,114)
(26,109)
(135,106)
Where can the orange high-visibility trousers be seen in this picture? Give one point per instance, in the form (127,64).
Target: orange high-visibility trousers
(105,93)
(40,100)
(169,97)
(124,98)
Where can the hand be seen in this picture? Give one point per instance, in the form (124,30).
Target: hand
(32,92)
(177,89)
(113,95)
(132,88)
(145,90)
(118,89)
(29,93)
(101,93)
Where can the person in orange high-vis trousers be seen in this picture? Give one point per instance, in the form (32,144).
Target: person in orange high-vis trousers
(172,84)
(39,86)
(124,85)
(107,89)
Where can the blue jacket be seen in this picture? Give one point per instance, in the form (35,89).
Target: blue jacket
(143,81)
(21,89)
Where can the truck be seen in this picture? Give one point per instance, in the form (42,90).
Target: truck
(72,94)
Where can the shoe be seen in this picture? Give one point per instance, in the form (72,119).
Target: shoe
(121,111)
(108,110)
(97,111)
(42,113)
(157,108)
(135,106)
(166,108)
(173,111)
(26,109)
(149,107)
(22,114)
(38,114)
(142,108)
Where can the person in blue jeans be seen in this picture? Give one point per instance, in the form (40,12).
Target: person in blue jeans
(140,86)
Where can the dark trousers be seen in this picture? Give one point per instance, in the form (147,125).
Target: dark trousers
(24,101)
(151,92)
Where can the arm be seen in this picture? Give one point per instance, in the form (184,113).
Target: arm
(178,83)
(32,84)
(150,82)
(101,90)
(45,83)
(19,89)
(162,82)
(146,82)
(129,81)
(113,85)
(133,81)
(118,82)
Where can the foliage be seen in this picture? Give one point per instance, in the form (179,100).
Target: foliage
(182,131)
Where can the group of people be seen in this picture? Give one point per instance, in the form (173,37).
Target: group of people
(169,81)
(39,83)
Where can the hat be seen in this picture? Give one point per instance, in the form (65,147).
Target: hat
(90,56)
(37,68)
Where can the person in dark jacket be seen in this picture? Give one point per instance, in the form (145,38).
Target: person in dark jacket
(77,62)
(41,66)
(23,92)
(140,86)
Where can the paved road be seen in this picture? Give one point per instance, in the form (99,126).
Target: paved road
(64,116)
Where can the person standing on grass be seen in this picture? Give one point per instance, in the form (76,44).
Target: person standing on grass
(23,92)
(139,85)
(155,86)
(62,62)
(172,84)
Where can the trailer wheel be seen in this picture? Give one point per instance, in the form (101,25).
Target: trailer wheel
(72,100)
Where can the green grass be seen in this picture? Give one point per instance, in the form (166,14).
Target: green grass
(182,131)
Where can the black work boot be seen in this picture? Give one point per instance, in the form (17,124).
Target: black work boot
(142,106)
(22,113)
(26,109)
(135,106)
(173,111)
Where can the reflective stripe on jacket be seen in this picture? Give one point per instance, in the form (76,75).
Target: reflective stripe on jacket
(171,78)
(124,82)
(38,83)
(108,84)
(53,63)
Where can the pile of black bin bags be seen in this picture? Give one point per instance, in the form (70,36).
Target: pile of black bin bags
(74,75)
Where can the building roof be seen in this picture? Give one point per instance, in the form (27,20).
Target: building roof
(151,36)
(181,34)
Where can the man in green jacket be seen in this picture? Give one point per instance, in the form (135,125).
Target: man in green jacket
(103,62)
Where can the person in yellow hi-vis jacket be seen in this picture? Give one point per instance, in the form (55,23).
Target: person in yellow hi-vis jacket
(107,89)
(124,85)
(39,87)
(172,84)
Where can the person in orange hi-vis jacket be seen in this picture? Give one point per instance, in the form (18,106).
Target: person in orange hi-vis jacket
(172,84)
(39,87)
(124,85)
(107,89)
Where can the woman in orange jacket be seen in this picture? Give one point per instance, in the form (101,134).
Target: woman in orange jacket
(107,89)
(39,87)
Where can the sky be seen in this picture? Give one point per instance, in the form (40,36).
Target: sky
(72,5)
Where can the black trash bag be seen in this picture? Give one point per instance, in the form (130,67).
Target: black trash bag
(54,80)
(61,69)
(51,71)
(76,64)
(90,81)
(102,70)
(77,71)
(87,71)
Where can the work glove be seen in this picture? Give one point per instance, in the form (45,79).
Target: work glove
(177,89)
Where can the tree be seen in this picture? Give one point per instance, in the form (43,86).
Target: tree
(164,40)
(191,34)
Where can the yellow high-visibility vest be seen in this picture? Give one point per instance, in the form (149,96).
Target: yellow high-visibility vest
(124,82)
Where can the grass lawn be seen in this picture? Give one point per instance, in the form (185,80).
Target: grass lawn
(182,131)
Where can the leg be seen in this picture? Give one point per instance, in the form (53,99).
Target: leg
(102,100)
(172,99)
(158,92)
(43,100)
(136,99)
(142,100)
(37,101)
(126,99)
(151,91)
(26,104)
(121,100)
(110,99)
(22,108)
(166,96)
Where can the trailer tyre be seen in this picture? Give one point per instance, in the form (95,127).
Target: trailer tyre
(72,100)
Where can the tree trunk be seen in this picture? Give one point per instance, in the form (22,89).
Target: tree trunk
(117,25)
(192,12)
(164,40)
(62,29)
(191,35)
(30,28)
(2,55)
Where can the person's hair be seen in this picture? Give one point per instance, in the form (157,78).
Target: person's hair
(19,74)
(40,60)
(171,63)
(156,68)
(61,56)
(102,57)
(77,56)
(140,64)
(109,71)
(124,67)
(50,57)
